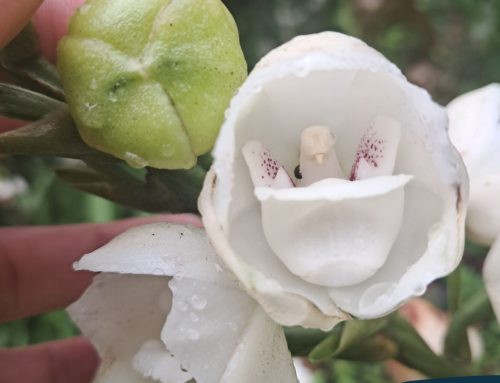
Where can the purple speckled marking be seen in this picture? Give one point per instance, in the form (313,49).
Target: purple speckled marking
(371,149)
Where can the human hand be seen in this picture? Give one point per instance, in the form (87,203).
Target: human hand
(50,18)
(36,276)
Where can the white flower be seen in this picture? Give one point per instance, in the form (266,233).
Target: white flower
(335,189)
(475,131)
(198,324)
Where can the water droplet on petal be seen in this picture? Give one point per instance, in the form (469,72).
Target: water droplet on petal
(157,271)
(181,306)
(194,317)
(198,302)
(135,161)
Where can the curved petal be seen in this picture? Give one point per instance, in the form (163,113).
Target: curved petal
(220,334)
(124,315)
(121,313)
(334,232)
(483,215)
(156,249)
(287,300)
(336,81)
(491,271)
(474,129)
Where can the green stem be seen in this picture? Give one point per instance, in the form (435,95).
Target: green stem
(302,341)
(414,352)
(476,309)
(453,287)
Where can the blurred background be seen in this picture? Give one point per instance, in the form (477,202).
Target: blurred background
(447,47)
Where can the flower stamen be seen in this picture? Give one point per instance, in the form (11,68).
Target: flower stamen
(318,159)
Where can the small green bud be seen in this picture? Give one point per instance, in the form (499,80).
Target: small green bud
(149,81)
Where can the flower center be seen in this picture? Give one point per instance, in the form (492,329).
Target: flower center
(375,156)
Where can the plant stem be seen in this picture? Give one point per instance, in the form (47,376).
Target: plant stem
(453,288)
(474,310)
(414,352)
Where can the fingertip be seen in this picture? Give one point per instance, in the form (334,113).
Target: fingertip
(72,360)
(78,360)
(51,21)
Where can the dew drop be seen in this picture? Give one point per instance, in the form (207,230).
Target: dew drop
(181,306)
(198,302)
(257,89)
(157,271)
(218,267)
(194,317)
(135,161)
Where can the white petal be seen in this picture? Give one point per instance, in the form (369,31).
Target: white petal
(155,361)
(475,129)
(491,274)
(120,313)
(220,334)
(264,170)
(156,249)
(337,81)
(376,153)
(285,297)
(335,232)
(483,214)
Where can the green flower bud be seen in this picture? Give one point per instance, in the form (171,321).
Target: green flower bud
(149,81)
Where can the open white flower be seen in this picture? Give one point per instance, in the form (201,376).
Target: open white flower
(475,131)
(335,189)
(197,326)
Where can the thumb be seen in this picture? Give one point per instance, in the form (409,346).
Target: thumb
(51,22)
(15,15)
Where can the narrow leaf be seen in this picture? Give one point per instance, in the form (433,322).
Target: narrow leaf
(22,57)
(353,334)
(54,135)
(474,310)
(414,352)
(23,104)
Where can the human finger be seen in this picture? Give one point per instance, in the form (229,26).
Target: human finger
(73,360)
(15,15)
(36,273)
(51,22)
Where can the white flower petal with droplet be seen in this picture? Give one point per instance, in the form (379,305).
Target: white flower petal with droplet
(142,336)
(354,94)
(475,130)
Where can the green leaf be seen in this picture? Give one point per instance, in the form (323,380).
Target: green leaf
(54,135)
(414,352)
(301,341)
(23,104)
(22,57)
(353,335)
(474,310)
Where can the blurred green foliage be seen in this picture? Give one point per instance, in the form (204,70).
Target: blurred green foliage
(448,47)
